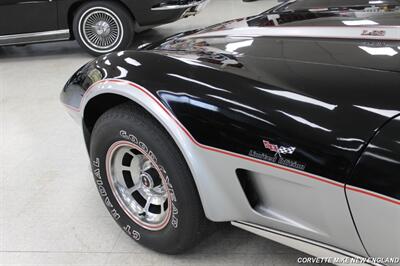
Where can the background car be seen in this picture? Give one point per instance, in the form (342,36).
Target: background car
(288,132)
(99,26)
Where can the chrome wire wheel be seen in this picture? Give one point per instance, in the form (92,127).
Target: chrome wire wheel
(101,30)
(138,185)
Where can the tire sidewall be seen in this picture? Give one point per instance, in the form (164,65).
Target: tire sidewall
(123,17)
(105,137)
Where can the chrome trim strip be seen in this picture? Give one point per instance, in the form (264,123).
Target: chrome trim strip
(327,32)
(174,7)
(308,246)
(23,38)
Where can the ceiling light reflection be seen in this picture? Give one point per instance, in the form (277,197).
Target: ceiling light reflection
(304,121)
(132,62)
(364,22)
(300,98)
(187,98)
(386,113)
(232,47)
(235,103)
(379,50)
(197,82)
(123,72)
(253,116)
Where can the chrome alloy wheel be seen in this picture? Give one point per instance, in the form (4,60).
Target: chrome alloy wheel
(138,185)
(101,29)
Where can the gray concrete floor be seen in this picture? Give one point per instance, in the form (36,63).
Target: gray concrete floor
(50,211)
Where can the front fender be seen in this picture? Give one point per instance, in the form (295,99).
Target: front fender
(109,75)
(206,109)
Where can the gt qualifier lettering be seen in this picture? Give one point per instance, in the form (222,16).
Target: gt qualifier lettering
(132,233)
(102,190)
(175,212)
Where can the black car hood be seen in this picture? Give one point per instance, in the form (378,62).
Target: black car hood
(312,13)
(215,45)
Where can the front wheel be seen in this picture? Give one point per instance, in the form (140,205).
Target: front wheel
(102,27)
(145,182)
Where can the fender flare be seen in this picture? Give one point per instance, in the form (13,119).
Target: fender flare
(207,182)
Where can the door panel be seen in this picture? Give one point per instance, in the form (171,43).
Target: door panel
(374,193)
(378,224)
(18,16)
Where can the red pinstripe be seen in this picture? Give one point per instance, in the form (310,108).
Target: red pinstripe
(228,153)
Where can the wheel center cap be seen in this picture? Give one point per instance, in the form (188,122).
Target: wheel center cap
(147,181)
(102,28)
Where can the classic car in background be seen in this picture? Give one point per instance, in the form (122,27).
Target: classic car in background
(99,26)
(285,124)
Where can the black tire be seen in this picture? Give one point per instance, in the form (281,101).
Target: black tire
(121,31)
(187,224)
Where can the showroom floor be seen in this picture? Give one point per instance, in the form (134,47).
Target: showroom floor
(50,212)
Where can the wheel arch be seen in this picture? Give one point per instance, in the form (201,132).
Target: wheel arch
(77,4)
(95,108)
(101,103)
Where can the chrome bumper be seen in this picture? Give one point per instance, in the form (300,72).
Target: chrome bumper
(191,9)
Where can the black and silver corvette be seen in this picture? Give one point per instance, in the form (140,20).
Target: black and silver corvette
(100,26)
(286,124)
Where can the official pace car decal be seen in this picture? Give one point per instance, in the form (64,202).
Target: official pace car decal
(279,151)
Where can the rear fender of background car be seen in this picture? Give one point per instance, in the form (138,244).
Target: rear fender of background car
(72,7)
